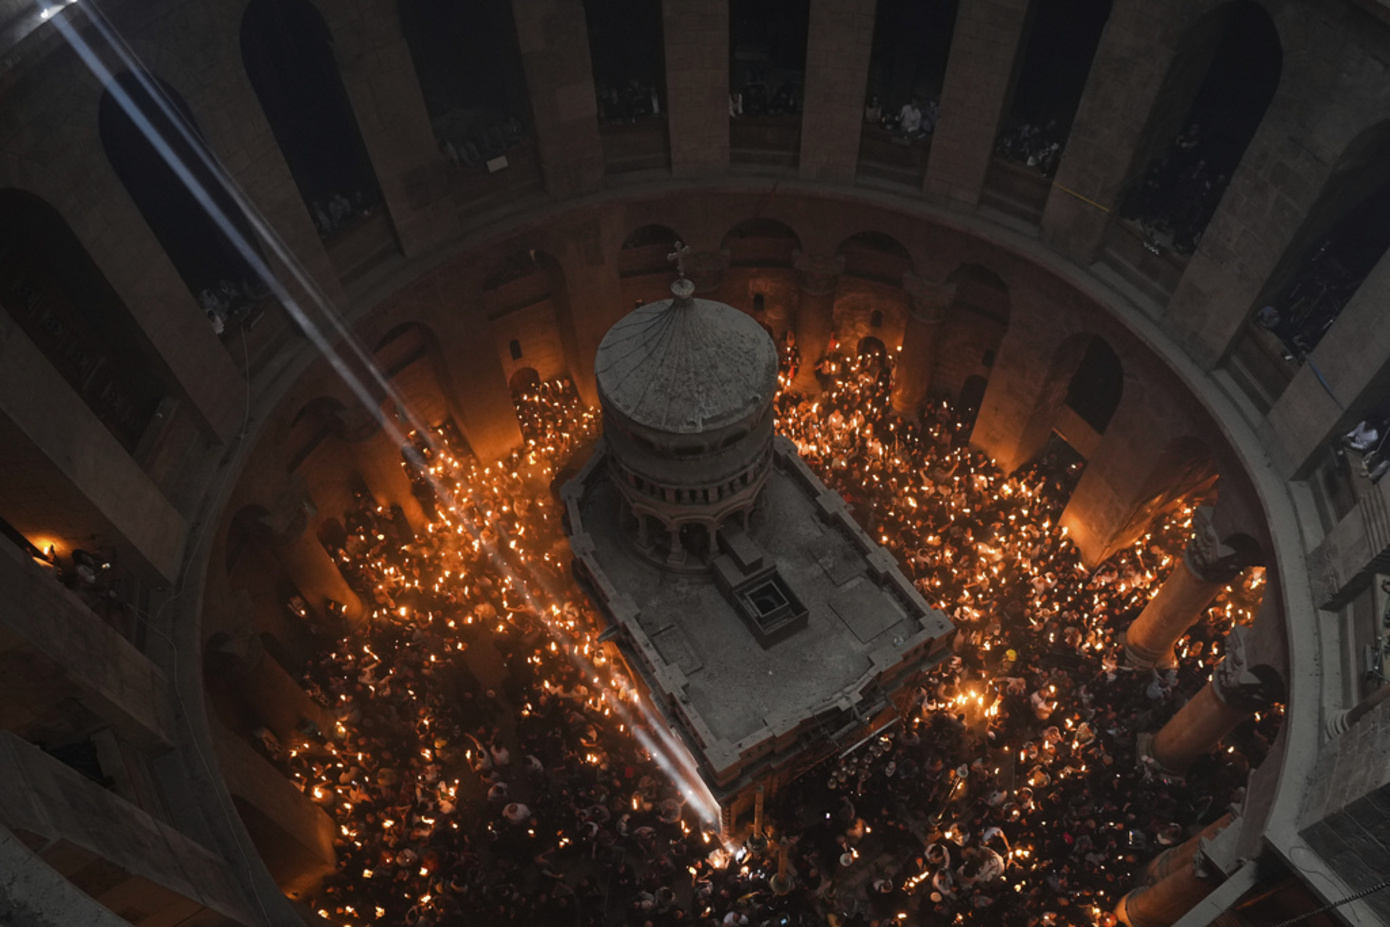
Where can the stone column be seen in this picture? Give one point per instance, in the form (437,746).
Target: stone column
(817,278)
(1175,881)
(926,313)
(262,691)
(111,849)
(983,48)
(380,81)
(1233,694)
(1207,567)
(838,49)
(697,84)
(315,573)
(554,41)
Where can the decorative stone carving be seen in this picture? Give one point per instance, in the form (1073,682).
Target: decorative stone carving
(928,300)
(817,274)
(1240,683)
(1208,557)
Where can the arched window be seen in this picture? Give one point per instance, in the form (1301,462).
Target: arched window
(912,40)
(1062,40)
(468,62)
(767,80)
(627,50)
(143,124)
(1202,122)
(58,296)
(1096,387)
(288,53)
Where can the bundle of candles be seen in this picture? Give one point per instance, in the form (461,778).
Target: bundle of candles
(488,760)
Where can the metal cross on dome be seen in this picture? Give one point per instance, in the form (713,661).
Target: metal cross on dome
(677,257)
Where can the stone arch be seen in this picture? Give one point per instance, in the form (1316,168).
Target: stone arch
(59,297)
(761,242)
(646,251)
(250,525)
(467,60)
(526,298)
(317,420)
(1223,74)
(143,124)
(1082,364)
(1342,237)
(872,347)
(875,256)
(1096,385)
(976,320)
(627,54)
(1049,78)
(525,378)
(287,50)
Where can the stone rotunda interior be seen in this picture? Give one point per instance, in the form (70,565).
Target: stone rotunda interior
(1078,315)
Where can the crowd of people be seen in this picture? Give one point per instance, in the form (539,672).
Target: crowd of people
(1177,195)
(470,139)
(1311,303)
(635,101)
(335,213)
(1037,146)
(914,121)
(488,761)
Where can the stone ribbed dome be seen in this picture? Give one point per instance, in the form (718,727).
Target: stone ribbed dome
(685,365)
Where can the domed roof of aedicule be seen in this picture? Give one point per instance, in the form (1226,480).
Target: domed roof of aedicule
(686,365)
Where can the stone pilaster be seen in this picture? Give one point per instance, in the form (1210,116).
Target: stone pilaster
(817,279)
(926,314)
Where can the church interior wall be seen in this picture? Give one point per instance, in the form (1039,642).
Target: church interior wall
(51,148)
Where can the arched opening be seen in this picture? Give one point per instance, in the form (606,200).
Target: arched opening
(246,528)
(872,350)
(974,327)
(287,50)
(1076,400)
(695,541)
(525,380)
(907,67)
(142,122)
(1046,89)
(56,294)
(527,302)
(1062,40)
(319,419)
(761,243)
(627,50)
(972,396)
(1097,384)
(1341,240)
(1222,77)
(468,62)
(767,78)
(875,256)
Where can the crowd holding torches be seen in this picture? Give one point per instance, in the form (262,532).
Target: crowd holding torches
(486,762)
